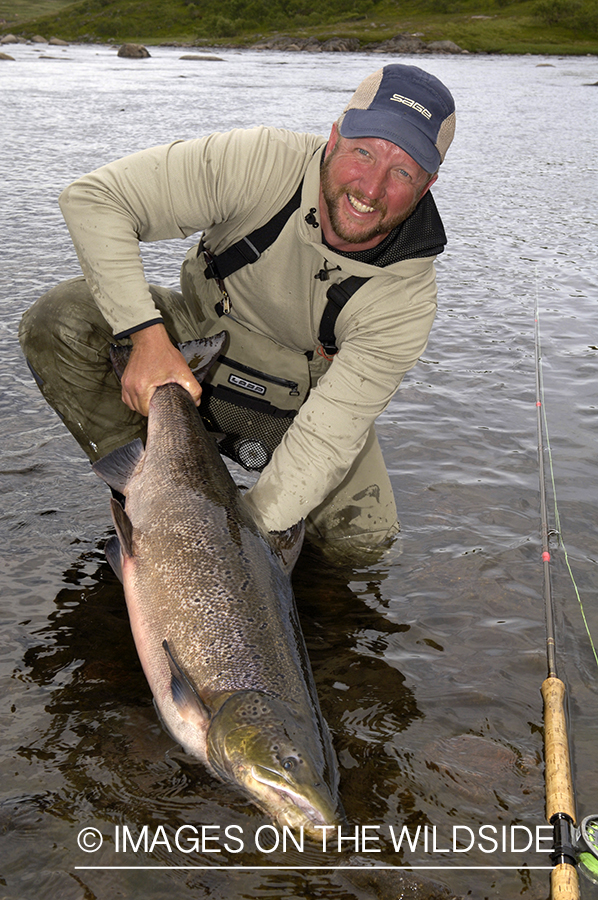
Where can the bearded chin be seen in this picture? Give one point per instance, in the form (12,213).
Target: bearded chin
(360,236)
(355,234)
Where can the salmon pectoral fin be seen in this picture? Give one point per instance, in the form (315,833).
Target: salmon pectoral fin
(112,554)
(188,702)
(124,528)
(287,544)
(116,468)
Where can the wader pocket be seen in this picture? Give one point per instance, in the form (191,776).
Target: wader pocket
(252,394)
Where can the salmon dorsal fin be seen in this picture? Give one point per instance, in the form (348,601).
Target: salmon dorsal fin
(201,355)
(287,544)
(185,697)
(117,467)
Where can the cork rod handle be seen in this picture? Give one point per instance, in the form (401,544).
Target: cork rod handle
(559,785)
(564,882)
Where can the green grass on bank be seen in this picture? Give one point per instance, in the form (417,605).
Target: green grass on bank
(19,11)
(495,26)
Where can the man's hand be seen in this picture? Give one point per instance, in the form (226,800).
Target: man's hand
(154,361)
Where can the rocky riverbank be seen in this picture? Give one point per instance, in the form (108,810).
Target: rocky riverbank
(38,39)
(400,43)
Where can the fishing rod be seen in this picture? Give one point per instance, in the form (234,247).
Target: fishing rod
(572,845)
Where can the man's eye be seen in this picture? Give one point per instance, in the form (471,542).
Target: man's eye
(362,151)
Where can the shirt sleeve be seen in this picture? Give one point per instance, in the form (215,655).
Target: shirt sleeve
(166,192)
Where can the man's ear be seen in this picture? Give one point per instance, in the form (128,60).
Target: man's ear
(333,139)
(433,179)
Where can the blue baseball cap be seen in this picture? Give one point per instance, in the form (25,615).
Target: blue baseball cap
(407,106)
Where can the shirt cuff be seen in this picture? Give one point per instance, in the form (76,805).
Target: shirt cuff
(130,331)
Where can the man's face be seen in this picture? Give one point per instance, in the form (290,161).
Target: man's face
(368,187)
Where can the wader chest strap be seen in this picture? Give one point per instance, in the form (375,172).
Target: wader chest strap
(250,248)
(338,295)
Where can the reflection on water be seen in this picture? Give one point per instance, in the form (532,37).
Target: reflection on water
(429,663)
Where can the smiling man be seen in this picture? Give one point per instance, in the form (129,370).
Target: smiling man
(317,258)
(369,187)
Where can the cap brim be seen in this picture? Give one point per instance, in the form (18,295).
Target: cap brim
(396,128)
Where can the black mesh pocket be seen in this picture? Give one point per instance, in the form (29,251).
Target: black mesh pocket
(252,428)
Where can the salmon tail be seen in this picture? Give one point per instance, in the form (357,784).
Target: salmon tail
(201,355)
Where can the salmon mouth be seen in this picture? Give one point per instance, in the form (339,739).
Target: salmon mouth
(272,780)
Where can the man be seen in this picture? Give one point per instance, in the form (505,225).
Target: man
(353,217)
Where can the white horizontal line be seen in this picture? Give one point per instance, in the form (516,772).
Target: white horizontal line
(329,868)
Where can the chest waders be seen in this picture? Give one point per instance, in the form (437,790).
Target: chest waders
(244,396)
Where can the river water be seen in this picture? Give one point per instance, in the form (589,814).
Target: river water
(429,663)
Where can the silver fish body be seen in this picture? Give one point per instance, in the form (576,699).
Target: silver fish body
(213,617)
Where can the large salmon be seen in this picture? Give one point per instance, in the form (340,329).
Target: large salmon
(213,615)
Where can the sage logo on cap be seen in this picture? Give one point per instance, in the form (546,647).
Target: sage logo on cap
(412,104)
(407,106)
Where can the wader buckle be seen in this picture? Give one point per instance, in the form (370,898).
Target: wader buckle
(211,271)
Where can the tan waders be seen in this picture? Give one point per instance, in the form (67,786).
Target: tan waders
(66,342)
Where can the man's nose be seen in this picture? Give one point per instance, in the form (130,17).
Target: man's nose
(372,182)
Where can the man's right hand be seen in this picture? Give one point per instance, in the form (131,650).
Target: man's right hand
(154,361)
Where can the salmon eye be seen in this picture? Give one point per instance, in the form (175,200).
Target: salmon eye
(289,763)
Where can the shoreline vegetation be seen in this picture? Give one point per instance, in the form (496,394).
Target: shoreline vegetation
(542,27)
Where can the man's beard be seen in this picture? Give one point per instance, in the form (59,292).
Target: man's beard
(357,234)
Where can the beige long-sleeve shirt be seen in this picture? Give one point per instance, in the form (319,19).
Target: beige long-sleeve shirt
(227,185)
